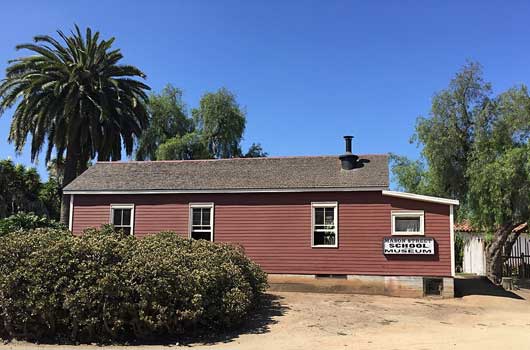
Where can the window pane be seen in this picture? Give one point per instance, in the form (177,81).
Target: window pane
(126,217)
(206,216)
(201,235)
(196,216)
(324,238)
(407,224)
(324,226)
(126,230)
(319,216)
(116,220)
(200,225)
(329,216)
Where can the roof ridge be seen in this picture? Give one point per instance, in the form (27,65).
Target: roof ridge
(230,159)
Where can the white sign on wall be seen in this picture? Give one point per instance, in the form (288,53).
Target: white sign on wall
(408,246)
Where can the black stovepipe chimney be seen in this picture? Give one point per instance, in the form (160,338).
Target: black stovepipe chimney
(348,160)
(348,143)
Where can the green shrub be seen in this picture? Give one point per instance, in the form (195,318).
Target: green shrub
(181,284)
(25,222)
(105,286)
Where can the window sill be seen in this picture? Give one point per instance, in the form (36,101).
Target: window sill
(408,234)
(324,246)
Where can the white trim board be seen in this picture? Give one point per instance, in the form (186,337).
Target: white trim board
(384,191)
(71,213)
(208,205)
(335,207)
(452,238)
(420,197)
(407,214)
(130,206)
(244,190)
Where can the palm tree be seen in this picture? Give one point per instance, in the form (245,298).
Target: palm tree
(74,99)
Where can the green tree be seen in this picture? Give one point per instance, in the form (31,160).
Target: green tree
(50,195)
(186,147)
(215,131)
(409,175)
(448,134)
(167,116)
(19,188)
(499,174)
(221,123)
(75,98)
(476,148)
(23,222)
(50,191)
(255,151)
(55,169)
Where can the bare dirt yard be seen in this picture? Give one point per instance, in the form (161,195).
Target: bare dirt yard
(482,317)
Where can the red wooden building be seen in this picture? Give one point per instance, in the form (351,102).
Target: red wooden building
(325,219)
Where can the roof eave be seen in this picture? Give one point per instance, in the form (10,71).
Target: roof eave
(420,197)
(238,190)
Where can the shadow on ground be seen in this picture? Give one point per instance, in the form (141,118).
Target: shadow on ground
(478,285)
(258,323)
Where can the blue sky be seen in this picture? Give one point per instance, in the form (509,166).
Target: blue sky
(307,72)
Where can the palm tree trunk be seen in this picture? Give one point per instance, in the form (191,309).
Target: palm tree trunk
(70,173)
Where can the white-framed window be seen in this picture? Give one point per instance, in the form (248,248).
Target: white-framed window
(122,217)
(324,226)
(201,221)
(406,222)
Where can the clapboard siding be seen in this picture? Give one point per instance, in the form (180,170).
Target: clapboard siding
(275,228)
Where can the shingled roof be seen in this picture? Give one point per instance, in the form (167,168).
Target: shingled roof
(238,174)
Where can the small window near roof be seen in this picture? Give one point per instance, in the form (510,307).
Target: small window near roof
(408,223)
(324,230)
(122,217)
(201,221)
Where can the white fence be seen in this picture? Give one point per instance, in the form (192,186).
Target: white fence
(474,255)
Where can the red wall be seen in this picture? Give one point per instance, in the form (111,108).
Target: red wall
(275,228)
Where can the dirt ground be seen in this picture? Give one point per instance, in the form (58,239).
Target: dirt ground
(483,317)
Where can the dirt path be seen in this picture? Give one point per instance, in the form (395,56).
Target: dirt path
(335,321)
(324,321)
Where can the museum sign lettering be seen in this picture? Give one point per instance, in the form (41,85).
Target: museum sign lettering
(408,246)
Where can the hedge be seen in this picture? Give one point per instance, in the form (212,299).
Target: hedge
(109,287)
(24,222)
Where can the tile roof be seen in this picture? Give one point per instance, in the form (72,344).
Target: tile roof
(465,226)
(274,173)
